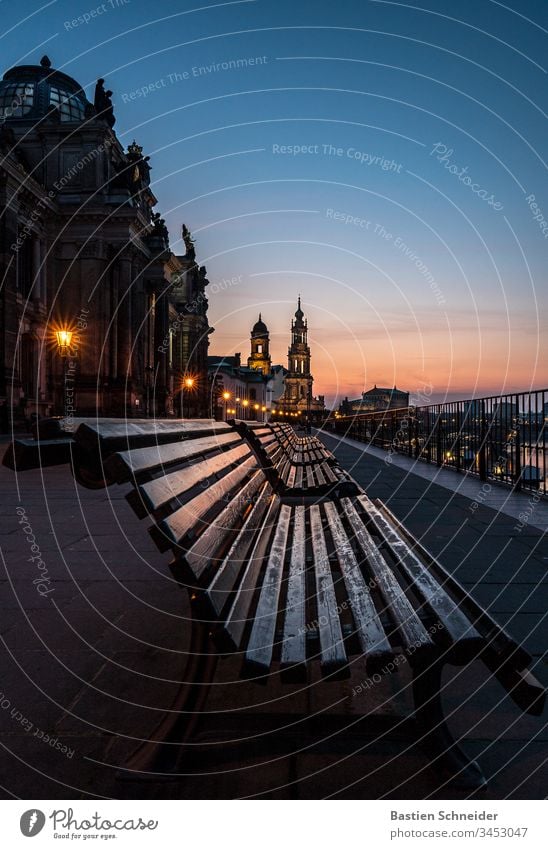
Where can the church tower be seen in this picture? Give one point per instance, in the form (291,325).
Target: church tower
(298,383)
(260,344)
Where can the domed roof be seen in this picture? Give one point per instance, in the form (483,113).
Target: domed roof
(30,91)
(259,328)
(299,314)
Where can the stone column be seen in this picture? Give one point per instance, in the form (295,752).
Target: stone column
(124,313)
(36,272)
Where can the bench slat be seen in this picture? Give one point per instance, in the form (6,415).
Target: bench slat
(234,626)
(117,434)
(333,652)
(202,552)
(398,605)
(371,634)
(457,625)
(501,645)
(261,640)
(174,528)
(294,632)
(226,577)
(157,493)
(124,465)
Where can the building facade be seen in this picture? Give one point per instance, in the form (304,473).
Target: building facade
(297,397)
(84,253)
(236,391)
(259,358)
(374,400)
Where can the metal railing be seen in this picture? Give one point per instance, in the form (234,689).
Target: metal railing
(500,438)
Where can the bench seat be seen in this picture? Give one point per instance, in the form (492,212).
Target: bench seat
(287,579)
(300,465)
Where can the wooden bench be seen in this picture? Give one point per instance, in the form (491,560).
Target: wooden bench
(50,445)
(302,465)
(290,584)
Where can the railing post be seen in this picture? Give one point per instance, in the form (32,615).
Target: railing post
(439,450)
(517,443)
(458,438)
(482,458)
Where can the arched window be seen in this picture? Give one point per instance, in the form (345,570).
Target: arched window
(259,349)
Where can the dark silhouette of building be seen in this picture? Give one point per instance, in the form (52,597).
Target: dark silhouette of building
(83,251)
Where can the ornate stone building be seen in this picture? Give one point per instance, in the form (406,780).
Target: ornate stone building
(83,251)
(190,333)
(259,358)
(374,400)
(297,397)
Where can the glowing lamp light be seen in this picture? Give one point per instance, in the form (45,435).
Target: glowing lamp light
(226,395)
(189,382)
(245,403)
(64,338)
(263,409)
(256,407)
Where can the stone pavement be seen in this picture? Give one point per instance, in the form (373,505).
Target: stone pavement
(94,635)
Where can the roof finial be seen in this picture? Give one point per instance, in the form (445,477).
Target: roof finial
(45,62)
(260,317)
(299,301)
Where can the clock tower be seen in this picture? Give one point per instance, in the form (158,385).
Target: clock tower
(260,344)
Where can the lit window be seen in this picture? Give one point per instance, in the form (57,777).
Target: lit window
(16,100)
(70,107)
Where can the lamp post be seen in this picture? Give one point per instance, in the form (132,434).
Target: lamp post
(148,373)
(226,397)
(245,405)
(64,339)
(188,386)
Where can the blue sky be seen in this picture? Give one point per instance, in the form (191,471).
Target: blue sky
(412,270)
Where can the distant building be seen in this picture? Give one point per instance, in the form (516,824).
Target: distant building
(276,385)
(259,358)
(247,389)
(297,396)
(374,400)
(493,410)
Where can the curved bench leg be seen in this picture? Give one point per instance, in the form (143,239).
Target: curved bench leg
(159,757)
(434,736)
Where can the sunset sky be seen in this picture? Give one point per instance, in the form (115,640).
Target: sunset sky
(405,220)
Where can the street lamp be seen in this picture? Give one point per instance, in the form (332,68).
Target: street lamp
(64,340)
(226,396)
(187,385)
(245,405)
